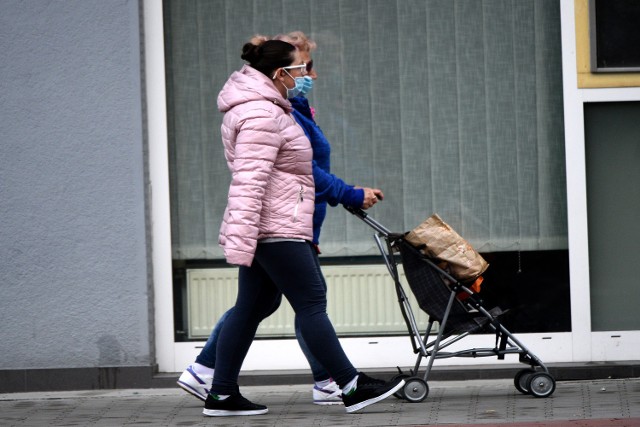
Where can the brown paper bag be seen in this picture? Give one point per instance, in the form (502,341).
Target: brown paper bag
(438,240)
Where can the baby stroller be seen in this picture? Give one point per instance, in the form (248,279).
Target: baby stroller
(458,310)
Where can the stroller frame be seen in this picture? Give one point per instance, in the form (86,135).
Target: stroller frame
(457,318)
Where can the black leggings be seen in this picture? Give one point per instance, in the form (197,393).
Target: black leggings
(289,268)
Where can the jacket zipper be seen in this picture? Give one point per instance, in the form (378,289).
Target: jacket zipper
(300,199)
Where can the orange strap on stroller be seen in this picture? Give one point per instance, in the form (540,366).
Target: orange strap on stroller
(475,287)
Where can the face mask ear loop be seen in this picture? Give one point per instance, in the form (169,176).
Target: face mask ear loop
(294,81)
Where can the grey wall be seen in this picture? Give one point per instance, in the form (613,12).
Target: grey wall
(74,288)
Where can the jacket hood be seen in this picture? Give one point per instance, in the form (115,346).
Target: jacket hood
(246,85)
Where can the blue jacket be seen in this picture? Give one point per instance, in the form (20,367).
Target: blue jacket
(329,188)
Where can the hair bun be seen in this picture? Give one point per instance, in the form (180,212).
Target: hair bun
(250,52)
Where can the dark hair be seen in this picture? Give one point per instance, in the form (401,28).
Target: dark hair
(268,56)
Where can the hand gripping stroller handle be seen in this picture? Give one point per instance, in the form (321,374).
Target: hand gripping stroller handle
(360,213)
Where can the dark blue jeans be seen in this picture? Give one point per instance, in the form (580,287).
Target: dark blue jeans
(207,356)
(291,269)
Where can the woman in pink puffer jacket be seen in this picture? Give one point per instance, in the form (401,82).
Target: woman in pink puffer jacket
(267,229)
(271,193)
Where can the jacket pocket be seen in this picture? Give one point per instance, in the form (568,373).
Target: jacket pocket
(298,202)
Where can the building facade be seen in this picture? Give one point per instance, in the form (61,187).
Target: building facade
(89,256)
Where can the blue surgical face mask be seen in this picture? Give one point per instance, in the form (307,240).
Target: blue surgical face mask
(307,85)
(297,88)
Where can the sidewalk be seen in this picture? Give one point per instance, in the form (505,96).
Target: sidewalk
(610,403)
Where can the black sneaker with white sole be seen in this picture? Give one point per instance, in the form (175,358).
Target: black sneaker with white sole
(233,405)
(369,391)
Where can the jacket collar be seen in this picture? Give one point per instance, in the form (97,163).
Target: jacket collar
(249,84)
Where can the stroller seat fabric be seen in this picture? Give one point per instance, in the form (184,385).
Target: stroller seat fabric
(433,294)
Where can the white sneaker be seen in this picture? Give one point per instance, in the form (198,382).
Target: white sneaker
(196,384)
(329,395)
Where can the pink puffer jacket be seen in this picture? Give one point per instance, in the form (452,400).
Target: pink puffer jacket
(271,192)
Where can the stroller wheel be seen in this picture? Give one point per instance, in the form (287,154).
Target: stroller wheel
(541,384)
(415,390)
(521,379)
(400,393)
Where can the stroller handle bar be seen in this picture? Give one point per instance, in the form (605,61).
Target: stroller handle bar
(360,213)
